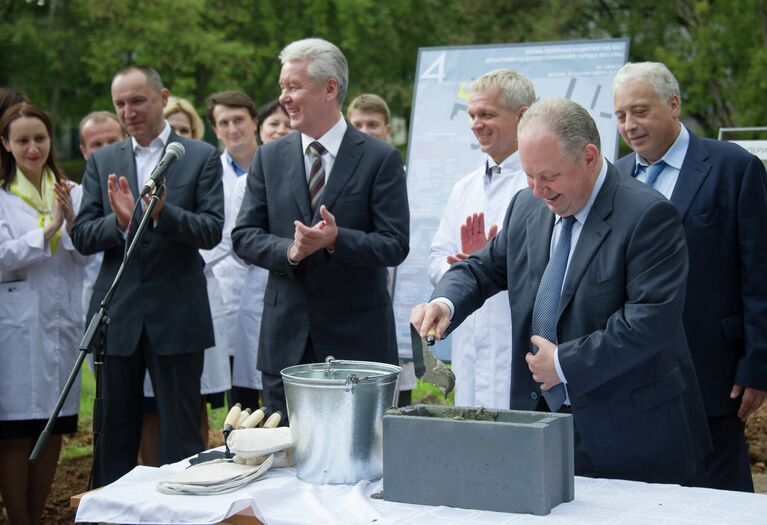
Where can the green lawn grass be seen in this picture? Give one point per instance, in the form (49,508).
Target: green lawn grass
(429,394)
(75,447)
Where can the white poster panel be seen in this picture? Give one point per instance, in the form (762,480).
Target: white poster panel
(442,148)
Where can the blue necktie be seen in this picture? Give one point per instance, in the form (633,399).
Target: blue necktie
(653,172)
(547,303)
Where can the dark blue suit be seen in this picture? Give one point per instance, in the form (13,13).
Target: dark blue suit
(636,406)
(721,194)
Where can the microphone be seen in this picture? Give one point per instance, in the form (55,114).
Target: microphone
(175,151)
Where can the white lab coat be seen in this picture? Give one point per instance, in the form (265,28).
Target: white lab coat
(41,317)
(230,271)
(251,307)
(216,373)
(481,345)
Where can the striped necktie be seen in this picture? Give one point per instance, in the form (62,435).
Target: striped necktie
(316,175)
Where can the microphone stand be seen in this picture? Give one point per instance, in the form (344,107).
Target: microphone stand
(98,324)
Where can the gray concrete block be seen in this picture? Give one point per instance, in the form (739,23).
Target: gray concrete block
(512,461)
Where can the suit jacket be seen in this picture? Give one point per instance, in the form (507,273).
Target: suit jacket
(163,288)
(721,194)
(338,299)
(636,406)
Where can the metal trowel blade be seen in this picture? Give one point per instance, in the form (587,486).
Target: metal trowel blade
(428,368)
(417,345)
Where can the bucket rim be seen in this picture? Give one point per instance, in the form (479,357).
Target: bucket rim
(385,372)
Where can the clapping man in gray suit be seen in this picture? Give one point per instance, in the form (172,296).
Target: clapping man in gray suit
(160,317)
(595,264)
(325,211)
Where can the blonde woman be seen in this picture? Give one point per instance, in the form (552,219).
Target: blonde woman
(183,118)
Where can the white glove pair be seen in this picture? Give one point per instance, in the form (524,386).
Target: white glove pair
(252,446)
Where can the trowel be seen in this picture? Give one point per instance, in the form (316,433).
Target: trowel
(427,367)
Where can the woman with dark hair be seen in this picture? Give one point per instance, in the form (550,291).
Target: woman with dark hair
(10,97)
(40,307)
(273,122)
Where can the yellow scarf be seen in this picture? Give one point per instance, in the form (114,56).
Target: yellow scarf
(42,202)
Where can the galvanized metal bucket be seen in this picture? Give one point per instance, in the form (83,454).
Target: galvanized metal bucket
(336,418)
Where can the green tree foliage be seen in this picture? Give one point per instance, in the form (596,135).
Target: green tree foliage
(63,53)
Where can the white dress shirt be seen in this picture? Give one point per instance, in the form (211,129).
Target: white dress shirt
(674,158)
(331,141)
(147,157)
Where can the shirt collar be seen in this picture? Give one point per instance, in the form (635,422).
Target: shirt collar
(675,155)
(509,165)
(160,141)
(238,170)
(331,140)
(583,213)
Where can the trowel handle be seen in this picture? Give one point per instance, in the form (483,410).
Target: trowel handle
(431,336)
(273,420)
(233,416)
(254,419)
(243,416)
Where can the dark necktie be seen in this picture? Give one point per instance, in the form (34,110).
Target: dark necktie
(547,303)
(316,175)
(653,172)
(489,172)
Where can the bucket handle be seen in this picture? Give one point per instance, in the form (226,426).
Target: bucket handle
(329,361)
(351,383)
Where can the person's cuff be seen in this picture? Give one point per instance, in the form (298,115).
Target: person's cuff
(559,368)
(287,255)
(448,302)
(123,233)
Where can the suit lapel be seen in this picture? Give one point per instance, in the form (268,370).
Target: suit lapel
(126,166)
(593,233)
(540,226)
(290,148)
(695,169)
(348,157)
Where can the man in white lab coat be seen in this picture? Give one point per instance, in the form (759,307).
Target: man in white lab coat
(482,344)
(232,114)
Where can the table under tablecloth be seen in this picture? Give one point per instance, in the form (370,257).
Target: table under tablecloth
(280,498)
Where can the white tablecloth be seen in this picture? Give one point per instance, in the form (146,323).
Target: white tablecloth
(282,499)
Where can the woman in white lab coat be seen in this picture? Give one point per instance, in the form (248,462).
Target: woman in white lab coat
(40,307)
